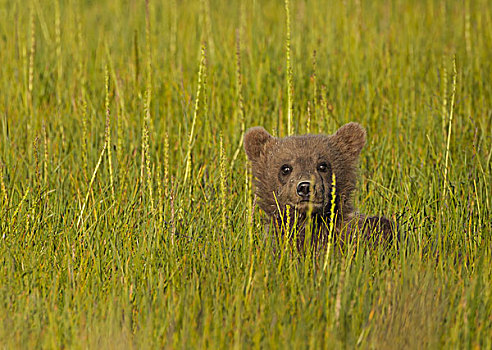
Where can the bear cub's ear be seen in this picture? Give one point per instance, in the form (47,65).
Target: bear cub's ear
(255,140)
(350,139)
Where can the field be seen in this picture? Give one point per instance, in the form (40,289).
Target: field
(127,214)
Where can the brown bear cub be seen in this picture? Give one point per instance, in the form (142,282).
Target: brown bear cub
(293,179)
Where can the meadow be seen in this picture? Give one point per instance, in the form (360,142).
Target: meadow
(127,214)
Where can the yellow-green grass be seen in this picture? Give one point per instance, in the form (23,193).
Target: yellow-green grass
(126,212)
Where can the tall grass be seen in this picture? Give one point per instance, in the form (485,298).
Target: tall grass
(127,212)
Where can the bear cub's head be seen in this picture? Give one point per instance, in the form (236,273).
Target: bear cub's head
(297,170)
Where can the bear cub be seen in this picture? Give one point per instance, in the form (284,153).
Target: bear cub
(293,179)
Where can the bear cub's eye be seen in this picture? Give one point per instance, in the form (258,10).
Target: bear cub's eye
(322,167)
(286,169)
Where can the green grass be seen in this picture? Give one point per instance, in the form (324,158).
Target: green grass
(108,240)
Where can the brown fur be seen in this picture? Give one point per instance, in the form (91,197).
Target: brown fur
(280,165)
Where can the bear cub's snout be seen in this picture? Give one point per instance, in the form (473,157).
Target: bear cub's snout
(304,190)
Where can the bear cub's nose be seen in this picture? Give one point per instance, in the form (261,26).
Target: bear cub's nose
(303,189)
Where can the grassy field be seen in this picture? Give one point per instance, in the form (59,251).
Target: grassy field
(126,210)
